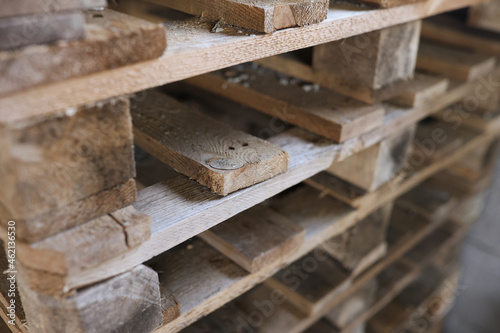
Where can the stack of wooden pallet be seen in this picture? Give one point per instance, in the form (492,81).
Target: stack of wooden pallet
(323,189)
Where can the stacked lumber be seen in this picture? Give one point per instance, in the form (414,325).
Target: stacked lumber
(484,16)
(298,193)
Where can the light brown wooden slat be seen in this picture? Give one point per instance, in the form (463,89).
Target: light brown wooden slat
(111,40)
(421,89)
(453,62)
(258,15)
(316,109)
(255,238)
(212,153)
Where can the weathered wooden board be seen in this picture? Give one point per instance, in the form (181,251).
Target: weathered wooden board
(57,172)
(375,166)
(300,103)
(421,89)
(370,62)
(350,247)
(212,153)
(126,303)
(385,3)
(453,62)
(312,281)
(45,8)
(485,16)
(111,40)
(16,32)
(47,261)
(255,238)
(259,15)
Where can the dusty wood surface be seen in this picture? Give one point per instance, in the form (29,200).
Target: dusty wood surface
(56,168)
(26,7)
(303,104)
(369,62)
(210,152)
(95,309)
(453,62)
(47,261)
(190,45)
(16,32)
(111,40)
(255,238)
(258,15)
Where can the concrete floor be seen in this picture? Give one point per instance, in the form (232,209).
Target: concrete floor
(477,309)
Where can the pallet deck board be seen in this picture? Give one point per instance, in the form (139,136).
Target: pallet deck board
(204,149)
(191,44)
(26,7)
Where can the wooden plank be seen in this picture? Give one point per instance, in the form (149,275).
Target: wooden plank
(421,89)
(316,109)
(47,7)
(216,156)
(350,247)
(485,16)
(190,45)
(312,281)
(363,66)
(105,30)
(16,32)
(385,3)
(255,238)
(259,15)
(375,166)
(453,62)
(92,243)
(95,308)
(58,172)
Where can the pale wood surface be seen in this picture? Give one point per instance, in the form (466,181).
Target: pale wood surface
(453,62)
(191,44)
(422,88)
(258,15)
(111,40)
(208,151)
(25,7)
(16,32)
(55,168)
(94,309)
(316,109)
(255,238)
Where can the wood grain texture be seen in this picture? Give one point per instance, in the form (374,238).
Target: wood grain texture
(48,261)
(372,61)
(258,15)
(94,309)
(316,109)
(47,7)
(16,32)
(64,163)
(421,89)
(210,152)
(111,40)
(311,282)
(453,62)
(375,166)
(255,238)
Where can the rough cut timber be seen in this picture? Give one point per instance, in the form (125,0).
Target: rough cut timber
(46,7)
(350,247)
(255,238)
(363,65)
(311,282)
(485,16)
(421,89)
(16,32)
(111,40)
(60,171)
(374,166)
(128,303)
(453,62)
(303,104)
(259,15)
(46,263)
(212,153)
